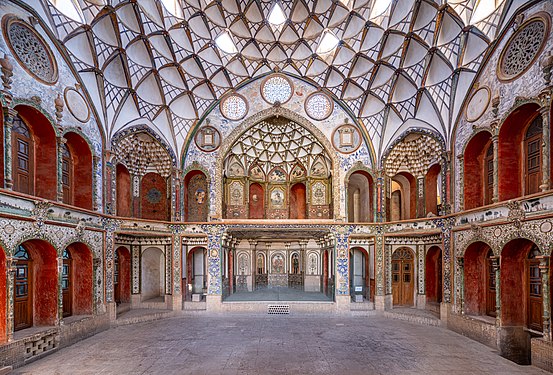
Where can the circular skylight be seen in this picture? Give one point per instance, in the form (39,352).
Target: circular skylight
(234,107)
(276,89)
(318,106)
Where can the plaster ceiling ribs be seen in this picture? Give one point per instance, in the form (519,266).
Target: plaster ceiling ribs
(395,61)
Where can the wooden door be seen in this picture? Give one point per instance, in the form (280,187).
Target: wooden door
(535,296)
(490,285)
(67,175)
(402,277)
(67,285)
(532,143)
(22,164)
(23,295)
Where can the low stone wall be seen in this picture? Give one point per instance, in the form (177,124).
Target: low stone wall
(82,328)
(542,354)
(478,330)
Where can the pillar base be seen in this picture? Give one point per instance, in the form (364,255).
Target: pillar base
(421,301)
(135,301)
(514,344)
(214,303)
(111,309)
(174,302)
(445,310)
(342,304)
(383,303)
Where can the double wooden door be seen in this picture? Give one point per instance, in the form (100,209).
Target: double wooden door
(403,277)
(23,301)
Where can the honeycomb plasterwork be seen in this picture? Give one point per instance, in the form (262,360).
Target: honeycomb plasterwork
(141,154)
(414,154)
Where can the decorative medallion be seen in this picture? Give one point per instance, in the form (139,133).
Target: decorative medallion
(346,139)
(76,104)
(153,196)
(277,88)
(30,50)
(546,227)
(278,198)
(9,229)
(208,139)
(318,106)
(522,49)
(497,232)
(478,103)
(234,107)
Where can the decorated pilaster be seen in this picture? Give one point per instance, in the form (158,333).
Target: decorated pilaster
(495,141)
(110,184)
(96,168)
(545,109)
(497,269)
(379,295)
(11,268)
(176,194)
(61,142)
(460,271)
(176,250)
(544,273)
(341,235)
(110,226)
(461,192)
(421,258)
(421,204)
(9,115)
(446,225)
(380,197)
(446,186)
(214,274)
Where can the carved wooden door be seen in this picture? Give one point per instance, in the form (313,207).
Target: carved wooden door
(402,277)
(23,296)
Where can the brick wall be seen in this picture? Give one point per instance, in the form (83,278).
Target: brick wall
(475,329)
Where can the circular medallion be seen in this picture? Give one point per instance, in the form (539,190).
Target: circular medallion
(497,232)
(277,88)
(522,49)
(546,227)
(30,50)
(207,139)
(76,104)
(9,229)
(234,107)
(318,106)
(478,103)
(153,196)
(214,253)
(346,138)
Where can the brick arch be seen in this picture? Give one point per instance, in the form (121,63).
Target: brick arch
(82,277)
(525,235)
(475,239)
(81,155)
(44,166)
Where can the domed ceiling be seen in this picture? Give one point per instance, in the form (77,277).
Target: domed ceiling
(392,63)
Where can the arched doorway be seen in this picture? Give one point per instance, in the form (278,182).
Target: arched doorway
(77,170)
(122,277)
(153,274)
(123,184)
(403,284)
(256,202)
(360,197)
(36,285)
(479,298)
(197,270)
(433,275)
(360,272)
(298,203)
(77,280)
(476,171)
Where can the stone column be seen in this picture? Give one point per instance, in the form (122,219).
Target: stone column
(10,285)
(421,204)
(59,319)
(544,273)
(461,273)
(61,142)
(461,192)
(9,115)
(421,272)
(546,148)
(110,184)
(176,202)
(496,264)
(495,141)
(110,226)
(176,241)
(253,249)
(214,275)
(380,197)
(341,235)
(379,294)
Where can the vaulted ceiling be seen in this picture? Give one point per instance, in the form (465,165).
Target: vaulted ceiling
(397,63)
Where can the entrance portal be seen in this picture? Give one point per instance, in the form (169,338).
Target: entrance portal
(402,277)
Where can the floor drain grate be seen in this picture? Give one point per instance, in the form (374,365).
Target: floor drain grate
(278,309)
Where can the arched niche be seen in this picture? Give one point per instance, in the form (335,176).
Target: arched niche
(123,191)
(476,171)
(79,171)
(196,197)
(360,192)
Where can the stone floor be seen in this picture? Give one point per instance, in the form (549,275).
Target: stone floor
(261,344)
(277,294)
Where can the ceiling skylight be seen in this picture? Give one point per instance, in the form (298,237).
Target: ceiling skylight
(328,43)
(277,16)
(379,7)
(225,43)
(69,8)
(173,7)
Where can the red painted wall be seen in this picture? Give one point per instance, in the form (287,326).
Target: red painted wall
(474,159)
(155,208)
(432,274)
(412,194)
(511,153)
(45,281)
(81,269)
(45,150)
(123,182)
(3,300)
(475,278)
(297,201)
(514,287)
(82,170)
(124,274)
(257,208)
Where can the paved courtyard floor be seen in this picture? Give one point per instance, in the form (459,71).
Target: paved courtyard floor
(257,344)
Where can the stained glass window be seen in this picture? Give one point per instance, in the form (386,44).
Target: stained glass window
(234,107)
(276,89)
(318,106)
